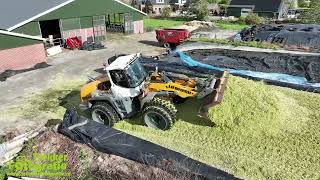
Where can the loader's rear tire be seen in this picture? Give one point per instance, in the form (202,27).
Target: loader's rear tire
(159,114)
(104,113)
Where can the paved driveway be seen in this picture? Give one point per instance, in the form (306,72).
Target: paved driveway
(69,65)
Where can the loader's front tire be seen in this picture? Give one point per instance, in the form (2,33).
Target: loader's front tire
(104,113)
(157,118)
(159,114)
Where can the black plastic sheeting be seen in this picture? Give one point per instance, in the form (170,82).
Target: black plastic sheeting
(112,141)
(90,46)
(300,35)
(8,73)
(174,64)
(307,66)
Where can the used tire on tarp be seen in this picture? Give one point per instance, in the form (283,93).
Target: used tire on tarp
(112,141)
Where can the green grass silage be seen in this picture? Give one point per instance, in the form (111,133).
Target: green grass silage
(258,132)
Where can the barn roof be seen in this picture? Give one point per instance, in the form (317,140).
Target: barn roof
(259,5)
(22,35)
(15,13)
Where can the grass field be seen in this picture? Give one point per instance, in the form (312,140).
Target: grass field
(161,23)
(258,132)
(230,26)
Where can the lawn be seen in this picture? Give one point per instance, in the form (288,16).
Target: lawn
(161,23)
(258,132)
(230,26)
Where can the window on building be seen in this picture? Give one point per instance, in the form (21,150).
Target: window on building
(245,12)
(117,18)
(159,1)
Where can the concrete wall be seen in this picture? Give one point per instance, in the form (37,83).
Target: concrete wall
(138,27)
(22,57)
(85,34)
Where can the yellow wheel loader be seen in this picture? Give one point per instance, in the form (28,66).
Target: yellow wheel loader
(127,90)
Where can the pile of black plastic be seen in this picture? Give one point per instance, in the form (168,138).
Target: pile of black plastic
(90,46)
(112,141)
(299,36)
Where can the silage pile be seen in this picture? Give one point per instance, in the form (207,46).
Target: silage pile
(257,108)
(258,132)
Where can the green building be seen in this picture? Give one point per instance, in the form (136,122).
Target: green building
(264,8)
(90,20)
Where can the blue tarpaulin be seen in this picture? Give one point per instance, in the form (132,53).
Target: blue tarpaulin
(188,61)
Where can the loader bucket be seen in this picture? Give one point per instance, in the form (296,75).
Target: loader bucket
(215,97)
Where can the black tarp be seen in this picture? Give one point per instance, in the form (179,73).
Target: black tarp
(299,35)
(112,141)
(174,64)
(303,65)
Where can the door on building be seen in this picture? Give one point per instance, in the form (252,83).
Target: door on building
(50,27)
(115,22)
(71,28)
(99,27)
(128,23)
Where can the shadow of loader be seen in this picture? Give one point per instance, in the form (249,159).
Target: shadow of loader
(188,111)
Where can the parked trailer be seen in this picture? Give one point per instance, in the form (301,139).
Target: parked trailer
(171,37)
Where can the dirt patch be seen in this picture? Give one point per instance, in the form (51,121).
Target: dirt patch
(86,163)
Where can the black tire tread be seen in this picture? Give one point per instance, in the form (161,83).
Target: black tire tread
(109,110)
(163,112)
(165,104)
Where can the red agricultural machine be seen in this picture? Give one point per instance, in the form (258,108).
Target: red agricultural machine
(171,37)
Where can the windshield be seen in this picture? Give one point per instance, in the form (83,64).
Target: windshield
(136,74)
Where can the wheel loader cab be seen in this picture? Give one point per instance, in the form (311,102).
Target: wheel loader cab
(127,76)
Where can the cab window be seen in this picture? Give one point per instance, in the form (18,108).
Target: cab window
(119,78)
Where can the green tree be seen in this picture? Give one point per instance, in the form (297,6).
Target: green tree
(199,8)
(225,2)
(254,19)
(165,12)
(312,15)
(303,4)
(213,1)
(292,4)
